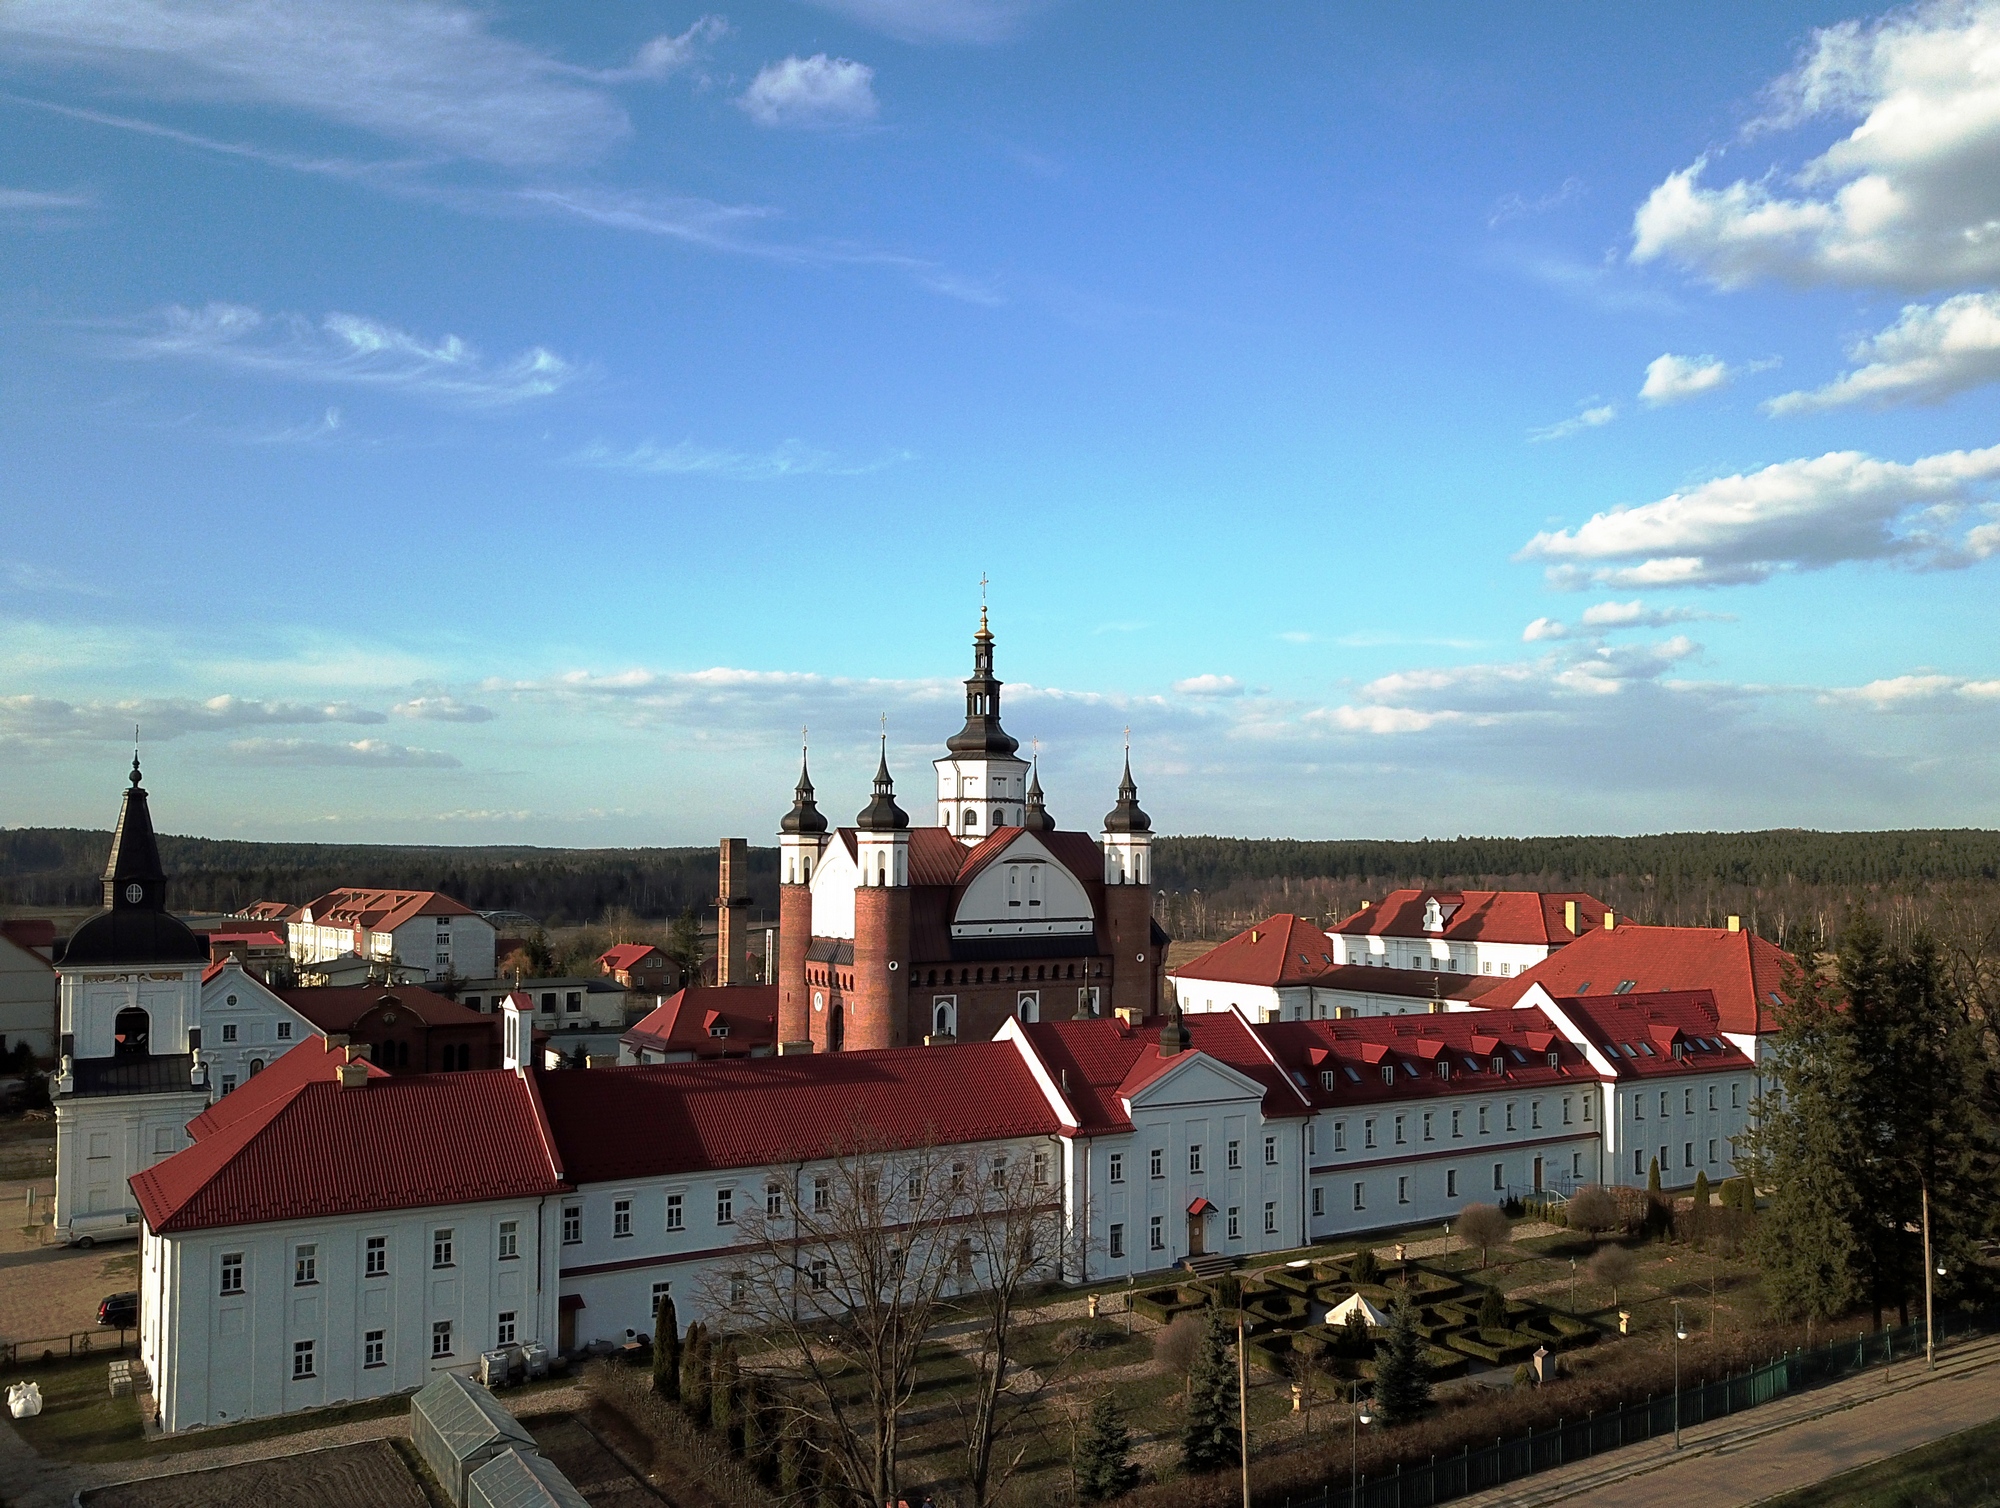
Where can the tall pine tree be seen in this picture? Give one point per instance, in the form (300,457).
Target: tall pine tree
(1104,1466)
(667,1350)
(1402,1376)
(1210,1439)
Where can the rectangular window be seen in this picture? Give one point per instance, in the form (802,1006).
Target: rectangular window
(621,1217)
(232,1272)
(1319,1200)
(1586,1109)
(510,1240)
(1117,1240)
(1156,1235)
(1566,1108)
(660,1291)
(673,1212)
(1638,1107)
(1235,1223)
(1499,1175)
(725,1206)
(1482,1120)
(1117,1167)
(572,1225)
(1735,1096)
(1340,1136)
(1638,1162)
(573,1003)
(1458,1123)
(228,1082)
(1687,1101)
(1234,1154)
(1711,1149)
(1510,1115)
(739,1289)
(375,1262)
(1040,1168)
(302,1359)
(958,1177)
(1711,1096)
(1402,1191)
(1687,1155)
(1576,1165)
(774,1201)
(1270,1217)
(1156,1165)
(1270,1151)
(1663,1104)
(1451,1183)
(503,1328)
(441,1247)
(1399,1130)
(305,1266)
(818,1271)
(284,1031)
(371,1349)
(1666,1159)
(1427,1126)
(1361,1196)
(440,1337)
(1534,1115)
(1368,1133)
(229,1031)
(1194,1157)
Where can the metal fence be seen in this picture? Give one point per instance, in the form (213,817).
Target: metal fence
(1441,1479)
(107,1342)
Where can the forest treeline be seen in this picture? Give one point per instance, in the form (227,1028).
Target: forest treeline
(1779,881)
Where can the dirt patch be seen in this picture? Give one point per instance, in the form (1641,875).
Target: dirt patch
(591,1467)
(55,1293)
(368,1475)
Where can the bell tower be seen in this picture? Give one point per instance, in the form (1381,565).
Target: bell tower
(1128,898)
(982,783)
(877,1008)
(801,841)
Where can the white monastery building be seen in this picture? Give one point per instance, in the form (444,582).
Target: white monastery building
(418,930)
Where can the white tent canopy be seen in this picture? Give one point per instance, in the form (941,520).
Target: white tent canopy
(1354,1303)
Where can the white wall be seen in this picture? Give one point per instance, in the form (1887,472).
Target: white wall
(1435,954)
(264,1029)
(1639,1125)
(27,999)
(1023,892)
(103,1140)
(833,885)
(466,953)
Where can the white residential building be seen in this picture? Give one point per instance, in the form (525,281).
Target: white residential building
(416,929)
(1285,969)
(1474,932)
(27,987)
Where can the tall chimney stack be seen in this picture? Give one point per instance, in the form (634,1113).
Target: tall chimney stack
(732,914)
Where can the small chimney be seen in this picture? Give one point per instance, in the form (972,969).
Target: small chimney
(1735,924)
(794,1049)
(1569,916)
(1064,1075)
(335,1041)
(354,1076)
(1610,919)
(1129,1015)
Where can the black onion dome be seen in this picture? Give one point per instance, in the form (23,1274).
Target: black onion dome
(882,814)
(982,733)
(135,925)
(804,817)
(1127,816)
(1037,819)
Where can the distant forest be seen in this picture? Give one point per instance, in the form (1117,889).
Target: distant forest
(1787,884)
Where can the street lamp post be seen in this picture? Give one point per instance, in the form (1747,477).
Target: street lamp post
(1572,1285)
(1358,1415)
(1930,1339)
(1680,1334)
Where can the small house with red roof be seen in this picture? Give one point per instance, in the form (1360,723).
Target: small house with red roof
(706,1021)
(405,1028)
(1468,932)
(421,930)
(641,967)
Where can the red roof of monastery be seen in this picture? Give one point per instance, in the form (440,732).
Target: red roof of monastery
(1105,1061)
(1493,916)
(1744,973)
(335,1008)
(1640,1032)
(381,910)
(686,1021)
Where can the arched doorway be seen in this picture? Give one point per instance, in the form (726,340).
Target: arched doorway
(129,1032)
(835,1028)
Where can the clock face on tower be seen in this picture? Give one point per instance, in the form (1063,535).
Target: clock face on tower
(135,894)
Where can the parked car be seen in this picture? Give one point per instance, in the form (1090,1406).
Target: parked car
(87,1230)
(119,1311)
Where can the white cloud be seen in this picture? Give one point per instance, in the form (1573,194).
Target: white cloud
(668,54)
(41,209)
(1209,685)
(1544,628)
(443,709)
(1905,693)
(1590,418)
(430,76)
(39,719)
(1931,353)
(1909,199)
(1519,206)
(1793,515)
(1635,614)
(937,20)
(350,348)
(365,752)
(792,458)
(1673,379)
(814,91)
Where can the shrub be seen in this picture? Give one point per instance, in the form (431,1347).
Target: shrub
(1174,1347)
(1493,1310)
(667,1350)
(1483,1226)
(1653,1176)
(1593,1211)
(1614,1267)
(1086,1338)
(1701,1191)
(694,1373)
(1365,1269)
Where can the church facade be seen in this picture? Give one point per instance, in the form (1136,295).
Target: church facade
(892,935)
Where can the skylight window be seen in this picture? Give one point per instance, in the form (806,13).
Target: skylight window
(1352,1076)
(1584,988)
(1471,1066)
(1772,996)
(1518,1058)
(1647,1049)
(1628,1051)
(1625,986)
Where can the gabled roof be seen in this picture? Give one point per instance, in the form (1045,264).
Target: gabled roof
(1640,1032)
(268,911)
(621,1123)
(1357,1051)
(1097,1063)
(312,1061)
(23,938)
(335,1008)
(247,939)
(1280,950)
(380,910)
(686,1021)
(1493,916)
(625,955)
(321,1151)
(1745,973)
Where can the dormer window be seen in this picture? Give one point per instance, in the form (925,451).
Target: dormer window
(1555,1059)
(1444,1068)
(1388,1073)
(1499,1065)
(1433,915)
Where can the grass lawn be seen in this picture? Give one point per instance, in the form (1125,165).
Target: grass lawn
(1962,1471)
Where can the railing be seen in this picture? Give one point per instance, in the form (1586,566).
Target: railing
(26,1353)
(1441,1479)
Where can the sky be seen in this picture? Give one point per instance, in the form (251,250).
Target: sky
(449,423)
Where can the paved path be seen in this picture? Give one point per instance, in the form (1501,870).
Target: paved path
(1790,1443)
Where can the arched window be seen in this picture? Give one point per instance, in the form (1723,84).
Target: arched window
(256,1067)
(971,821)
(944,1022)
(130,1031)
(979,976)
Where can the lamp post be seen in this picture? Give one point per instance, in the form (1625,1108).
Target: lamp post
(1930,1339)
(1358,1415)
(1572,1285)
(1242,1403)
(1680,1334)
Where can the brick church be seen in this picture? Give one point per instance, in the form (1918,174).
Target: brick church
(892,934)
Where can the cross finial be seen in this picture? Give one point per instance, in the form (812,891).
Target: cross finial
(1128,738)
(982,602)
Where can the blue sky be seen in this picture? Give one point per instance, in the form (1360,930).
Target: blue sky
(453,423)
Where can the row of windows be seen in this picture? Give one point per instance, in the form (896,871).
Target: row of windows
(1156,1159)
(374,1347)
(375,1256)
(1400,1124)
(1666,1157)
(1156,1230)
(1687,1100)
(231,1028)
(1043,972)
(1403,1186)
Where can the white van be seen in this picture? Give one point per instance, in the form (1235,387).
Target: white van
(110,1225)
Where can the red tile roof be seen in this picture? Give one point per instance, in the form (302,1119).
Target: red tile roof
(684,1021)
(1358,1049)
(321,1151)
(380,910)
(335,1008)
(624,955)
(269,911)
(1104,1060)
(29,932)
(1744,973)
(1280,950)
(248,939)
(311,1061)
(750,1112)
(1494,916)
(1647,1026)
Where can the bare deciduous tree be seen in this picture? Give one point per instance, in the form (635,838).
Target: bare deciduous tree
(1483,1226)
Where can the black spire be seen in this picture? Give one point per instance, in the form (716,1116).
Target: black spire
(133,876)
(1174,1035)
(804,817)
(982,733)
(1037,818)
(1126,816)
(882,814)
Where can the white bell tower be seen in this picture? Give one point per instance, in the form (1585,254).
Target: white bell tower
(982,783)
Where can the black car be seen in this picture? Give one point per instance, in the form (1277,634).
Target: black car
(120,1311)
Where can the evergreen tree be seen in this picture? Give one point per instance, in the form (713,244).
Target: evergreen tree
(1104,1466)
(1210,1438)
(1356,1340)
(1493,1310)
(1402,1376)
(1365,1268)
(1653,1176)
(1701,1191)
(722,1388)
(694,1373)
(666,1350)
